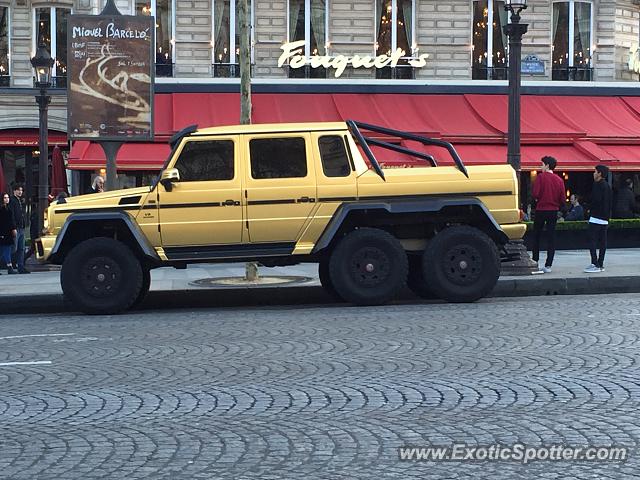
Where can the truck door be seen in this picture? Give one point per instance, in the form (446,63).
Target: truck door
(204,207)
(280,186)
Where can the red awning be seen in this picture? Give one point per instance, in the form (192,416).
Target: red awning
(23,137)
(579,131)
(131,156)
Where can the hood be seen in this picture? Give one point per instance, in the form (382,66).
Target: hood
(112,197)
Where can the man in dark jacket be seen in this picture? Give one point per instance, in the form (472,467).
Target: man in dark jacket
(599,219)
(549,193)
(625,205)
(17,209)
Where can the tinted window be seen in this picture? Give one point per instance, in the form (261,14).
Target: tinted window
(333,153)
(278,158)
(204,161)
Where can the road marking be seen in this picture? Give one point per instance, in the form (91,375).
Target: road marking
(41,362)
(38,335)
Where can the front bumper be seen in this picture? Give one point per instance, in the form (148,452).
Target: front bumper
(44,245)
(515,231)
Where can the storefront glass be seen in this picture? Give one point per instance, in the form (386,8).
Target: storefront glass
(4,47)
(162,10)
(308,15)
(52,30)
(571,33)
(394,29)
(489,50)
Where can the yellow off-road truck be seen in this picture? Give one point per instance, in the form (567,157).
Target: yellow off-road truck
(282,194)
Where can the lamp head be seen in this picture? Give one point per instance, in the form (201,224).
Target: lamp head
(42,64)
(515,6)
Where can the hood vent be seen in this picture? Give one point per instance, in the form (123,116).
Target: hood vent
(130,200)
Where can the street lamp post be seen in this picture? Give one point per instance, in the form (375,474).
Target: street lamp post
(514,30)
(42,64)
(521,263)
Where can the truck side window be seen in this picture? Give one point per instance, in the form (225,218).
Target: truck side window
(335,162)
(278,158)
(202,161)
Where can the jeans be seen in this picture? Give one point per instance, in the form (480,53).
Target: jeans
(18,255)
(597,239)
(5,255)
(550,218)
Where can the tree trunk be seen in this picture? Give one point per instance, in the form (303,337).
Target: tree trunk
(244,22)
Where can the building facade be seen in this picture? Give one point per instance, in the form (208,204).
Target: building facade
(363,42)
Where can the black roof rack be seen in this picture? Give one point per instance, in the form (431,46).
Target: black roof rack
(364,142)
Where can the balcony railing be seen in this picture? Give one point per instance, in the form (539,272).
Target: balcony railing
(308,72)
(482,72)
(165,69)
(579,74)
(59,81)
(226,70)
(399,72)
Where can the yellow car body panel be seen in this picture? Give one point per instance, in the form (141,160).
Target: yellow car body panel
(232,215)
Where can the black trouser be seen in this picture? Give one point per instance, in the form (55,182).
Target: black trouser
(550,218)
(597,239)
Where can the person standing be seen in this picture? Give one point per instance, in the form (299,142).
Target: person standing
(7,233)
(17,209)
(548,191)
(599,219)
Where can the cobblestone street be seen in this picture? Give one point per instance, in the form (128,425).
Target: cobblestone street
(322,391)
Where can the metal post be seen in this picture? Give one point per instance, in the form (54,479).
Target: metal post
(523,265)
(514,31)
(43,101)
(110,153)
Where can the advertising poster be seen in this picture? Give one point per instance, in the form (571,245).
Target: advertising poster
(110,77)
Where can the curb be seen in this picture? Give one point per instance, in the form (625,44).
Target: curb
(283,296)
(532,287)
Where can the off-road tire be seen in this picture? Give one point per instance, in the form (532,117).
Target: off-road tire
(144,290)
(416,280)
(363,249)
(325,279)
(461,264)
(101,276)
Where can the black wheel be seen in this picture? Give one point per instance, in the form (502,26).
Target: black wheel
(101,276)
(144,290)
(461,264)
(416,280)
(368,267)
(325,279)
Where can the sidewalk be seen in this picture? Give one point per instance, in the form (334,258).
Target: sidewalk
(622,275)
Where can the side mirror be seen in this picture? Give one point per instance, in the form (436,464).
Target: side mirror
(169,176)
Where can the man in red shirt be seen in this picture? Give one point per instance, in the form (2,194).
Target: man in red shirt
(548,191)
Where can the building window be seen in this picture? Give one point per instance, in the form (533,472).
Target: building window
(164,13)
(51,26)
(394,29)
(308,21)
(226,35)
(4,47)
(489,48)
(571,32)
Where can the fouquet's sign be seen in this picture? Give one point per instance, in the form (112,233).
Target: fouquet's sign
(110,88)
(292,52)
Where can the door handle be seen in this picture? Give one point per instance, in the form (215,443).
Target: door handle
(306,200)
(230,203)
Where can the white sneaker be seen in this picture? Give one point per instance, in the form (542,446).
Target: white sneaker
(546,269)
(593,269)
